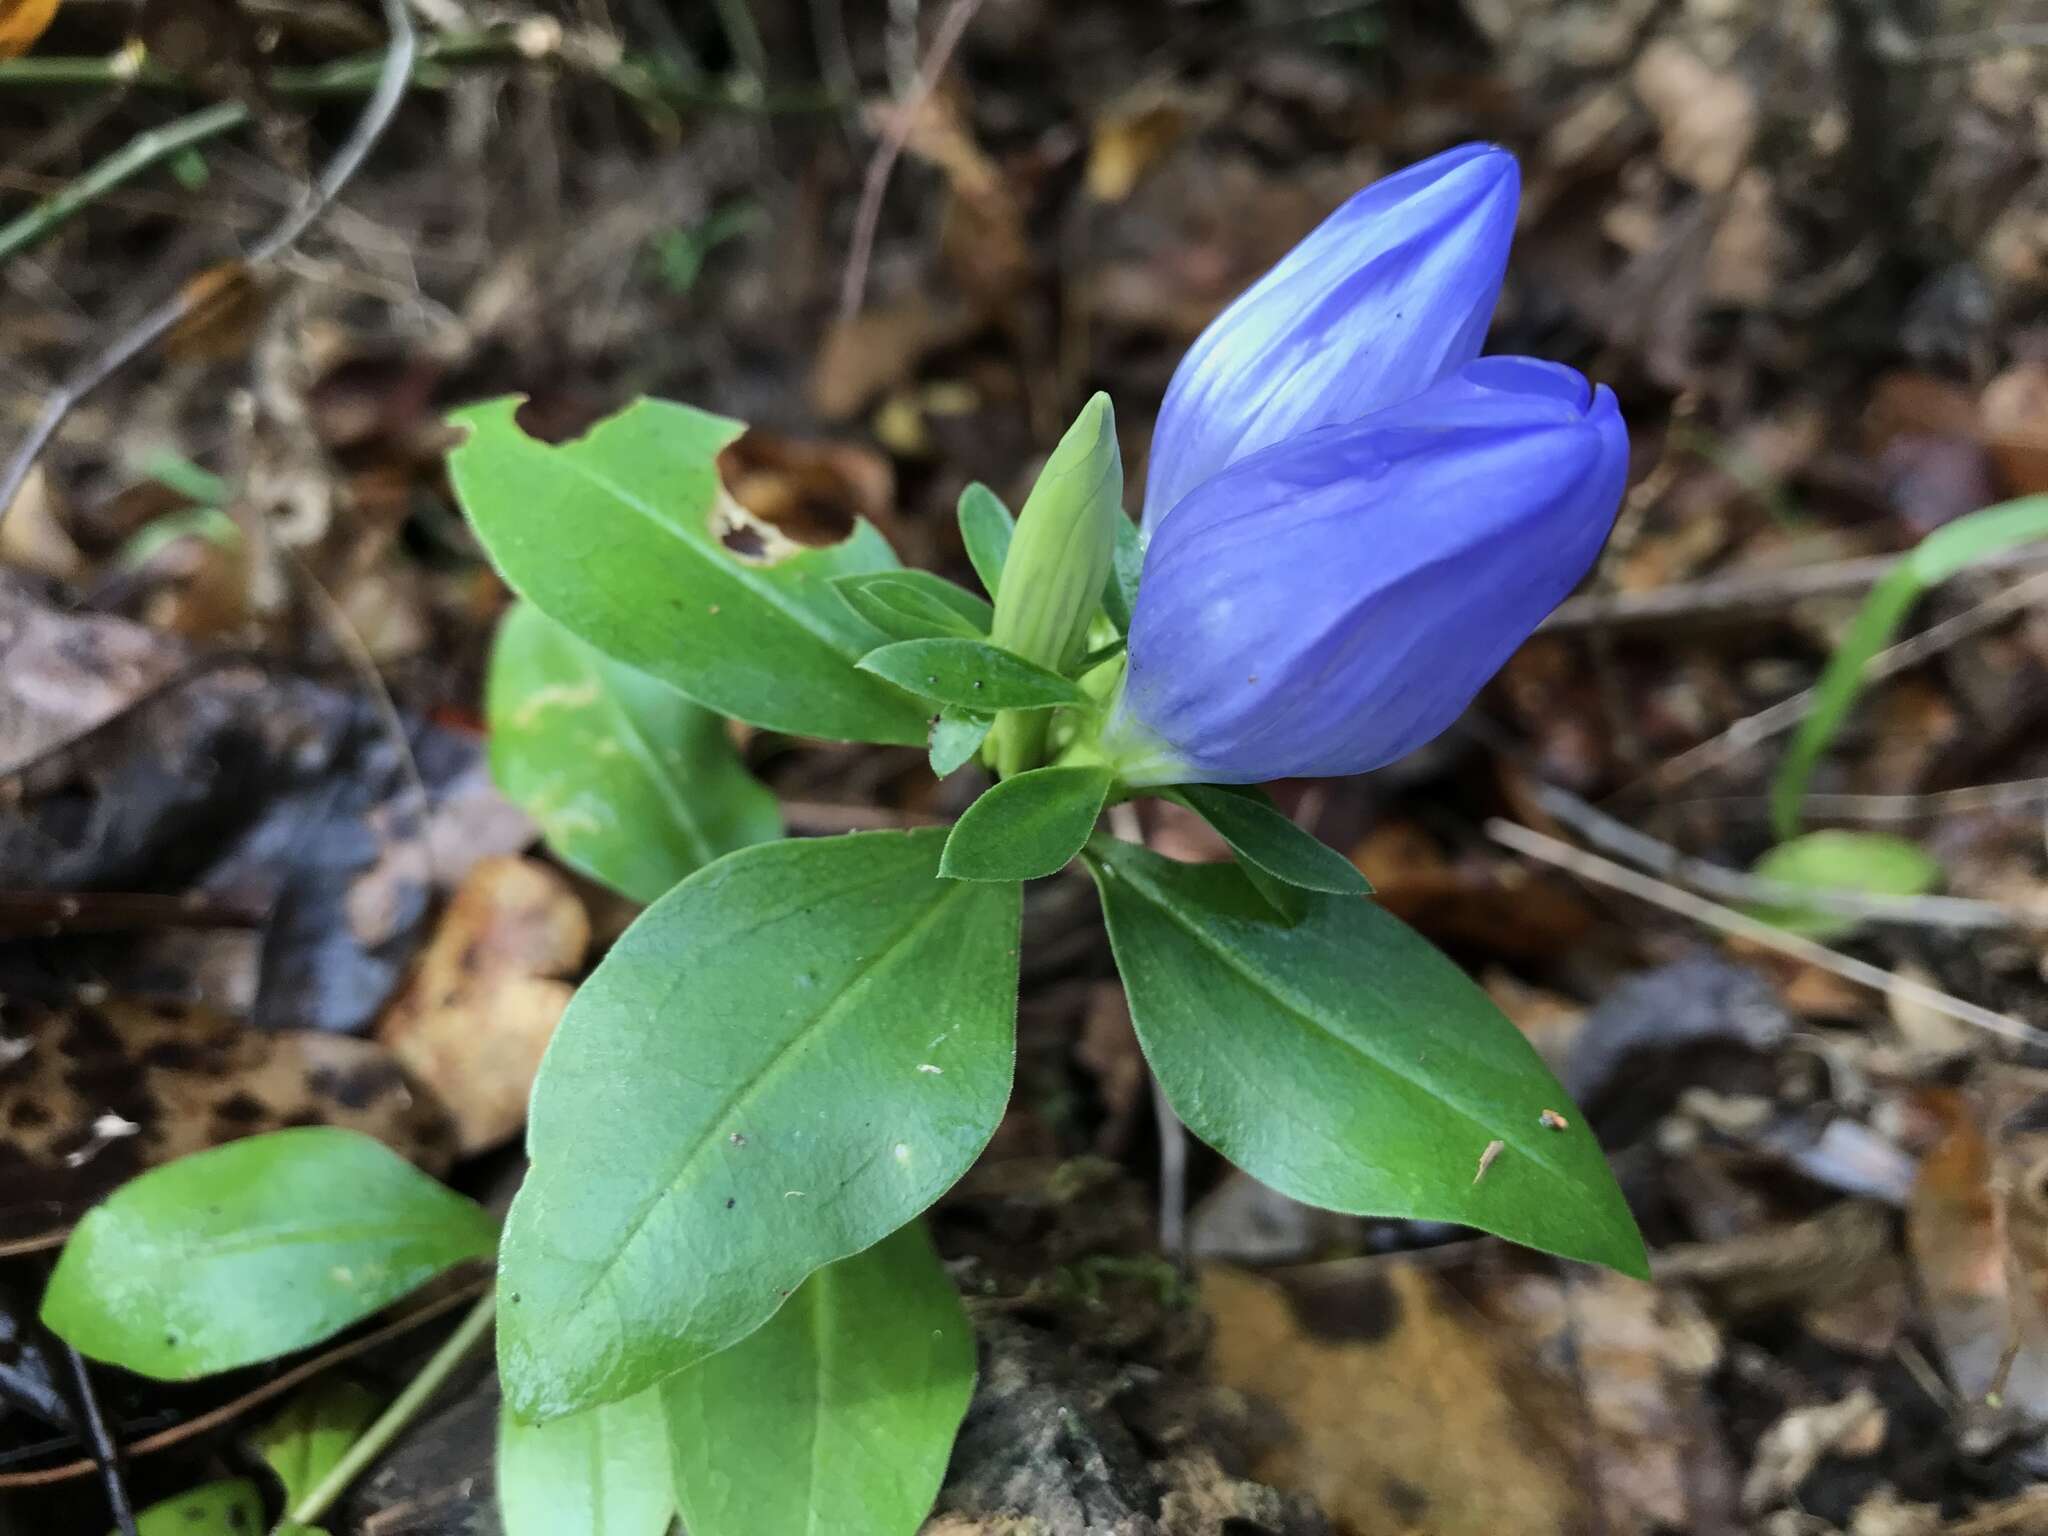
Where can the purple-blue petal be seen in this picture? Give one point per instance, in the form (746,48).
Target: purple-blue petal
(1389,294)
(1333,602)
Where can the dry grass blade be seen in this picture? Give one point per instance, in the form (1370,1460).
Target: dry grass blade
(1590,866)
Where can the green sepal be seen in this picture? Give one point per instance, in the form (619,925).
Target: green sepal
(1028,826)
(915,605)
(1270,842)
(986,528)
(970,674)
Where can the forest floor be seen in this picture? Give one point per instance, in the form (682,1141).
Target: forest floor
(242,632)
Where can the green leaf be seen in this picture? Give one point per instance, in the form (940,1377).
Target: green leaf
(1862,863)
(306,1441)
(252,1250)
(1938,557)
(970,674)
(916,605)
(1029,825)
(1263,838)
(786,1058)
(631,782)
(231,1507)
(1120,596)
(601,1472)
(957,734)
(627,538)
(839,1414)
(986,528)
(1345,1062)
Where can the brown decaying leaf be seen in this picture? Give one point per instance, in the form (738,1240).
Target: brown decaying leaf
(1409,1411)
(93,1093)
(1977,1230)
(21,23)
(224,307)
(1496,905)
(478,1012)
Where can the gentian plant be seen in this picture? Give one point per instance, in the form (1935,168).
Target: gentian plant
(714,1295)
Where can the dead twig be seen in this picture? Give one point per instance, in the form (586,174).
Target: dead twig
(106,1456)
(868,215)
(1590,866)
(278,1385)
(1717,880)
(369,126)
(1753,730)
(1742,595)
(1891,810)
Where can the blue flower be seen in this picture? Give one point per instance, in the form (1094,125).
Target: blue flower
(1390,294)
(1331,603)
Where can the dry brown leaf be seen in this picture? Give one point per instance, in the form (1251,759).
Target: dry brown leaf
(1129,139)
(224,307)
(1793,1446)
(2014,414)
(1706,117)
(1409,1412)
(21,23)
(881,348)
(1642,1355)
(94,1093)
(1496,905)
(32,533)
(478,1012)
(1977,1230)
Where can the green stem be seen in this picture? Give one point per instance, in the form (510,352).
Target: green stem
(356,74)
(127,162)
(371,1444)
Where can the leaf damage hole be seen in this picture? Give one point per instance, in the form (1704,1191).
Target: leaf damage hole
(783,494)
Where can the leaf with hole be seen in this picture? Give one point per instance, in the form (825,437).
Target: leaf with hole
(1029,825)
(1344,1062)
(627,538)
(631,783)
(252,1250)
(784,1059)
(839,1413)
(986,528)
(970,674)
(601,1472)
(1859,863)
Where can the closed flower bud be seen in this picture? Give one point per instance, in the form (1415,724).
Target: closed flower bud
(1331,603)
(1390,294)
(1059,559)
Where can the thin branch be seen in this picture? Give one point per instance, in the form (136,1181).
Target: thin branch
(1753,730)
(436,66)
(126,163)
(105,1454)
(1742,595)
(1590,866)
(867,217)
(404,1408)
(277,1386)
(369,125)
(1891,810)
(1716,880)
